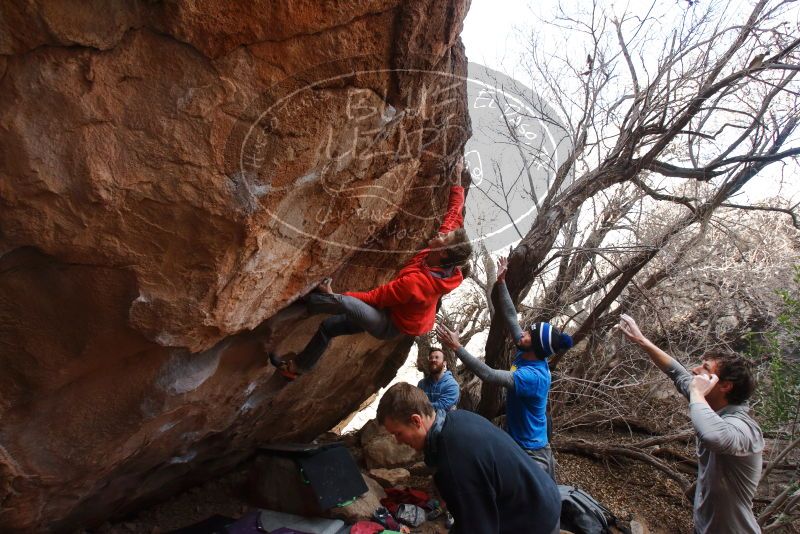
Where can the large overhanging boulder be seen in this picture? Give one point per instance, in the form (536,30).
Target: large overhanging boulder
(173,175)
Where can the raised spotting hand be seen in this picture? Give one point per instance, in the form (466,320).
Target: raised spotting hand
(447,337)
(629,328)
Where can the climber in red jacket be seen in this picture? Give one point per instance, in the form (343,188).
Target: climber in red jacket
(404,306)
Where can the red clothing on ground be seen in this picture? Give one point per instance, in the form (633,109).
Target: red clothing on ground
(397,496)
(366,527)
(413,294)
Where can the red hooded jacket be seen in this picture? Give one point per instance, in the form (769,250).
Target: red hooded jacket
(412,295)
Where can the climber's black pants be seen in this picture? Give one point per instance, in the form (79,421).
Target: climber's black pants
(353,316)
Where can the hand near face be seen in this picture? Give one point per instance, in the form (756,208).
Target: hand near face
(702,384)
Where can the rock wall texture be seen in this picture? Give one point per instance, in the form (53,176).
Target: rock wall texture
(172,176)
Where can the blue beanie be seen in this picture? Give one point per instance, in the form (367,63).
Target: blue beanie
(546,340)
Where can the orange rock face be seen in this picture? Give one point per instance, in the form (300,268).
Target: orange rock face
(172,175)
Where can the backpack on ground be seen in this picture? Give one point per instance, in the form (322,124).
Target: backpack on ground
(582,514)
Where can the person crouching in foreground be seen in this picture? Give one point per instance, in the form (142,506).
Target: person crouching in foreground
(487,481)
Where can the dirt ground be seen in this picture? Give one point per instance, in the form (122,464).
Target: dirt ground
(630,489)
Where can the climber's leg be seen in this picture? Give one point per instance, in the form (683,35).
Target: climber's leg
(375,321)
(338,325)
(353,316)
(356,317)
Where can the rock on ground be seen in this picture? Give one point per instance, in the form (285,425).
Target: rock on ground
(380,449)
(391,478)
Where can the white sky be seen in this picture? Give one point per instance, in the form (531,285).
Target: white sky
(489,34)
(493,36)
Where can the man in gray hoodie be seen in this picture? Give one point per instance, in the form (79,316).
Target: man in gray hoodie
(729,441)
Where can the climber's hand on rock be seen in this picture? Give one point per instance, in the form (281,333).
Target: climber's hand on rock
(458,171)
(325,286)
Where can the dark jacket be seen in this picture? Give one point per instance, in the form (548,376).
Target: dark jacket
(443,393)
(487,481)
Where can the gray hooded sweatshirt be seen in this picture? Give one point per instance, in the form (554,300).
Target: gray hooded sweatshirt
(729,447)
